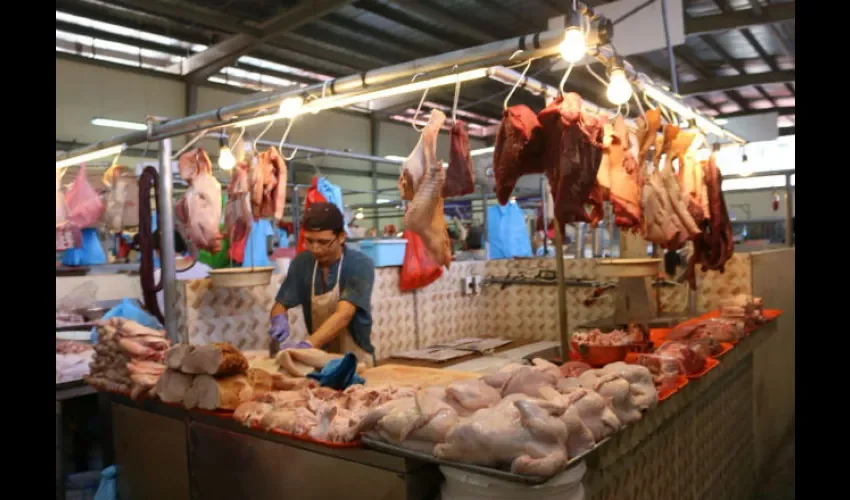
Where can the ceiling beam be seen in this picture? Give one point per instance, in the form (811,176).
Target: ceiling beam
(433,15)
(783,111)
(740,19)
(726,83)
(204,64)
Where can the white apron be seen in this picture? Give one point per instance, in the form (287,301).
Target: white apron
(322,307)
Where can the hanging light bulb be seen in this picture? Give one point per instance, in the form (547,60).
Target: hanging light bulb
(619,89)
(290,107)
(573,47)
(226,160)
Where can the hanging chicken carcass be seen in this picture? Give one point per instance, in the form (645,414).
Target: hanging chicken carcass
(199,210)
(572,154)
(459,175)
(517,151)
(122,199)
(413,168)
(425,214)
(267,182)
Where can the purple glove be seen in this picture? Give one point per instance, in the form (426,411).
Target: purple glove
(304,344)
(279,329)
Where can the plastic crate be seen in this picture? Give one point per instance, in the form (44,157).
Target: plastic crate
(386,252)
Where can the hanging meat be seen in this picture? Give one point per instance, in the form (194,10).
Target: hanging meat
(715,245)
(626,179)
(199,210)
(517,152)
(267,184)
(692,178)
(648,126)
(122,200)
(571,156)
(413,168)
(459,176)
(237,210)
(425,214)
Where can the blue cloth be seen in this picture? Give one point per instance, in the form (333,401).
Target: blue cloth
(339,373)
(108,487)
(129,309)
(507,232)
(256,253)
(89,254)
(358,277)
(333,194)
(283,238)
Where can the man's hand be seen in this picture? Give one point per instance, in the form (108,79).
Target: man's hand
(279,329)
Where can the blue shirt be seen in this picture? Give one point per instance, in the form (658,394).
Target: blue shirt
(358,277)
(507,232)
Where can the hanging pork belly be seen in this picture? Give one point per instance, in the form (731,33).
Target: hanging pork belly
(715,245)
(237,211)
(517,151)
(626,179)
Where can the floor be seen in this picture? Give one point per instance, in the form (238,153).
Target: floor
(779,485)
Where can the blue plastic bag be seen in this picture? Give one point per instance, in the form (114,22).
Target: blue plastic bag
(90,254)
(129,309)
(283,237)
(256,251)
(507,232)
(108,487)
(333,194)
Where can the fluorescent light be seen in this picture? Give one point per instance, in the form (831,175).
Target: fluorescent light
(482,151)
(721,121)
(395,157)
(106,122)
(687,112)
(383,200)
(94,155)
(326,103)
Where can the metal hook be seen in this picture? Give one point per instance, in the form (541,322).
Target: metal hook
(419,107)
(516,85)
(261,134)
(283,139)
(564,78)
(189,144)
(457,96)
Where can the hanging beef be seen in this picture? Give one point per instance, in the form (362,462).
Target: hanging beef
(572,154)
(715,245)
(518,146)
(459,175)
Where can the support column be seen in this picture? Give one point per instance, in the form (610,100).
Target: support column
(789,212)
(374,141)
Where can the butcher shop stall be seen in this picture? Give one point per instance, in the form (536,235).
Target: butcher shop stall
(626,377)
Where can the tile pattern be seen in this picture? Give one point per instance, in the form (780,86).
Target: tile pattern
(445,313)
(713,286)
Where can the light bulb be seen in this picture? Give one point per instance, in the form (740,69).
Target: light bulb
(573,47)
(619,89)
(226,161)
(290,107)
(745,170)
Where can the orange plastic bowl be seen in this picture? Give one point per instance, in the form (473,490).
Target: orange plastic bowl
(600,355)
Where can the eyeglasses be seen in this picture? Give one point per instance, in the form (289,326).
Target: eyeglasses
(310,242)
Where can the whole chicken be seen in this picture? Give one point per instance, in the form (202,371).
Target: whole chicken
(519,431)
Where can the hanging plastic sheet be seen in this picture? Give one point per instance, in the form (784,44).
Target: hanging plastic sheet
(256,249)
(333,194)
(90,254)
(507,232)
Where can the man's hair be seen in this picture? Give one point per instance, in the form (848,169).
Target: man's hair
(323,217)
(474,237)
(179,243)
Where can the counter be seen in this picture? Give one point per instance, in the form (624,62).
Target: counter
(699,443)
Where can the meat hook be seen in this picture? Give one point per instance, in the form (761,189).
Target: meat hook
(189,144)
(283,139)
(419,107)
(261,134)
(517,84)
(457,96)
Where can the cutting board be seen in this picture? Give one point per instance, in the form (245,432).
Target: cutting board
(399,375)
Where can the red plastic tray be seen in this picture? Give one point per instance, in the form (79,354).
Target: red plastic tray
(307,439)
(710,364)
(727,346)
(681,381)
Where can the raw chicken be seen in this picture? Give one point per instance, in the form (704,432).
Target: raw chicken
(473,394)
(591,408)
(519,379)
(627,389)
(519,431)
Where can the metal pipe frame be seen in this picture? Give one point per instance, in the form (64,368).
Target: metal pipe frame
(167,251)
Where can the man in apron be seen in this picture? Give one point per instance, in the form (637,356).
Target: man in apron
(333,284)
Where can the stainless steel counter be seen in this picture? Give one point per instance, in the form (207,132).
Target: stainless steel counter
(166,452)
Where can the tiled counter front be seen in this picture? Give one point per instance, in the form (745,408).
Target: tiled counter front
(440,312)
